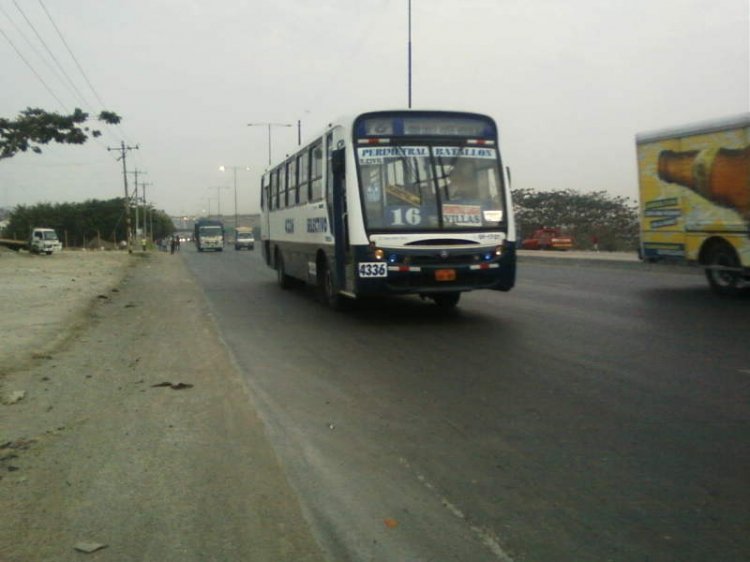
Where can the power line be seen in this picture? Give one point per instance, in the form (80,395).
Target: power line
(76,91)
(70,52)
(70,85)
(78,65)
(24,36)
(46,86)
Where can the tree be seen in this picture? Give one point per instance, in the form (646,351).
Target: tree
(35,126)
(78,224)
(613,221)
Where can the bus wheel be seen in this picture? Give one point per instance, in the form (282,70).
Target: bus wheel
(285,282)
(327,293)
(446,300)
(722,281)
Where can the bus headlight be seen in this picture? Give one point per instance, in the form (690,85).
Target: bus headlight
(378,253)
(499,251)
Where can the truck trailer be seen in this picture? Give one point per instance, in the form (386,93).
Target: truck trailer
(695,199)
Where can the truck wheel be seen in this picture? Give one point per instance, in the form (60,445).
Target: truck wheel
(447,300)
(722,281)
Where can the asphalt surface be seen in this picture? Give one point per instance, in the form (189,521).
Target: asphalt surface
(596,412)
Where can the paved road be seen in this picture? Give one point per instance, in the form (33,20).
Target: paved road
(591,414)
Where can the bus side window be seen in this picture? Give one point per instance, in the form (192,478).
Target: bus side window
(303,171)
(262,194)
(316,172)
(281,171)
(329,169)
(275,189)
(291,181)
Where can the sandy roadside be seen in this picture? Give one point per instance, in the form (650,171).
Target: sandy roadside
(95,453)
(41,295)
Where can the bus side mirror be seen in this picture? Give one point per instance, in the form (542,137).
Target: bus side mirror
(338,161)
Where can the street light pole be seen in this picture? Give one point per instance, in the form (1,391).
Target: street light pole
(236,217)
(218,189)
(269,125)
(409,54)
(234,169)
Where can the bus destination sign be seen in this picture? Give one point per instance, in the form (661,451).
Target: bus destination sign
(426,127)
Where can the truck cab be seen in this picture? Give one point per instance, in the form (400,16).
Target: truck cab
(44,241)
(244,239)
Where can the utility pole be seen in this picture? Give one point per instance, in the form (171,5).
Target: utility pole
(123,151)
(135,195)
(146,212)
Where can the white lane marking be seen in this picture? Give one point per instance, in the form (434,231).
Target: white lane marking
(485,536)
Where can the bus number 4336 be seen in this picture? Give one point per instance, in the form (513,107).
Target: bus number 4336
(373,269)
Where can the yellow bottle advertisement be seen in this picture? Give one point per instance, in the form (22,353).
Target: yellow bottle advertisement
(695,198)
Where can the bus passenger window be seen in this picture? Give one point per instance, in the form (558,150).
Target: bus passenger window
(316,172)
(302,175)
(282,188)
(291,182)
(275,189)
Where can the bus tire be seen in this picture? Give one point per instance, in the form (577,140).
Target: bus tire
(446,300)
(284,281)
(327,293)
(722,282)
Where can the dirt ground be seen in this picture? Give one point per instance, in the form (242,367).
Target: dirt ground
(97,453)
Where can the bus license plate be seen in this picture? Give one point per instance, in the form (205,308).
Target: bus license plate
(445,275)
(373,269)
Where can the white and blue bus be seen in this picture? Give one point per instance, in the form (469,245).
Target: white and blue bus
(393,202)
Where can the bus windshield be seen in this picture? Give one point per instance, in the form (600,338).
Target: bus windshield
(430,187)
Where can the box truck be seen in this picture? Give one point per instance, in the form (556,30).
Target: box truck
(209,235)
(695,199)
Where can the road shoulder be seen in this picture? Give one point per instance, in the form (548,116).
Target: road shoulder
(96,453)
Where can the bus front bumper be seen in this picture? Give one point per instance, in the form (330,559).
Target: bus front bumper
(460,271)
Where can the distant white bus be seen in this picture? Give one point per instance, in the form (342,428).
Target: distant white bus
(393,202)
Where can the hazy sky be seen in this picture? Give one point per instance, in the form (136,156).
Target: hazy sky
(570,83)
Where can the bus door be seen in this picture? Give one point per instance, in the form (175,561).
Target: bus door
(338,212)
(266,208)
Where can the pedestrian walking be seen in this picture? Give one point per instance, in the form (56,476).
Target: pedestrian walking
(173,245)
